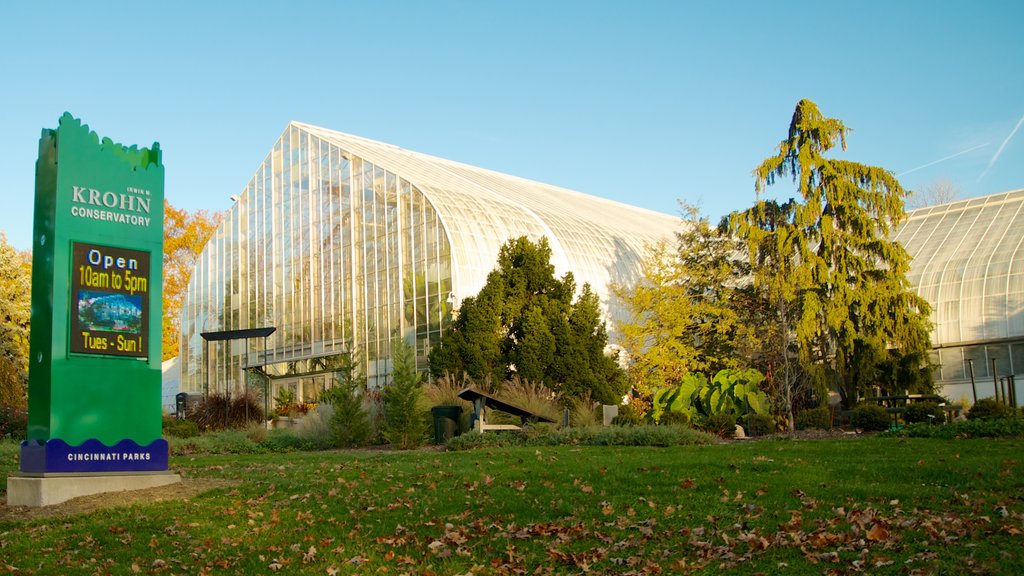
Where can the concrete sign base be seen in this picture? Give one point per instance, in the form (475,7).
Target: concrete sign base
(49,490)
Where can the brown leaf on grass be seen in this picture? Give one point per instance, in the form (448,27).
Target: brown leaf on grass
(878,533)
(587,488)
(607,508)
(688,483)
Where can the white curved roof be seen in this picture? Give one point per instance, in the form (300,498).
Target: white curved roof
(969,263)
(599,240)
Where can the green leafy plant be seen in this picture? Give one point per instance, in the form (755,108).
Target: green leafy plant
(871,417)
(734,391)
(926,412)
(678,399)
(731,391)
(989,409)
(284,402)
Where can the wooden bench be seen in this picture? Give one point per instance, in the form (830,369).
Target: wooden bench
(482,401)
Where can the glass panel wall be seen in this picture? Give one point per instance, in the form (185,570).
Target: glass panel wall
(334,251)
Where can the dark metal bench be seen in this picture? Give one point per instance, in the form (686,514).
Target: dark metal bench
(482,401)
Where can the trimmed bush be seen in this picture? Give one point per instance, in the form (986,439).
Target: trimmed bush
(179,428)
(924,412)
(989,409)
(870,417)
(723,425)
(674,419)
(758,424)
(814,419)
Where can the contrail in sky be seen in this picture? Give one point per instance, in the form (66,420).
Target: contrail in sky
(1001,147)
(922,167)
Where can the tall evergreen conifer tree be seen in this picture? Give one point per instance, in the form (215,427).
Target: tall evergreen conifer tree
(826,260)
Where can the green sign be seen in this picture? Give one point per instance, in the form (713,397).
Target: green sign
(94,371)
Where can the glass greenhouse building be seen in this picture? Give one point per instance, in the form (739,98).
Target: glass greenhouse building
(342,244)
(968,262)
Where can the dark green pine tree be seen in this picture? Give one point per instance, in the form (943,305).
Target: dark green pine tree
(829,265)
(524,322)
(404,425)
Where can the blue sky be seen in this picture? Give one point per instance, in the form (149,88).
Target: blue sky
(644,102)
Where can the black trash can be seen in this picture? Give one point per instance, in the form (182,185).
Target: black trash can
(180,405)
(446,422)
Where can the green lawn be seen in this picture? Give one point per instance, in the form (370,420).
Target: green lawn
(871,505)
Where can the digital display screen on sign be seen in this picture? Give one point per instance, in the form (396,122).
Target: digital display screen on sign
(109,301)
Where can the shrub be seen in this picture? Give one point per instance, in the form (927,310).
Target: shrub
(13,422)
(994,428)
(989,409)
(759,424)
(628,416)
(674,419)
(216,410)
(315,427)
(926,412)
(814,419)
(645,435)
(179,428)
(584,411)
(349,424)
(870,417)
(721,424)
(404,423)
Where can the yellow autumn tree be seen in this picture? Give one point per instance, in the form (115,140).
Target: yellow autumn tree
(185,235)
(15,286)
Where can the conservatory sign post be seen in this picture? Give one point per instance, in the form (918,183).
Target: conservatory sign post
(94,422)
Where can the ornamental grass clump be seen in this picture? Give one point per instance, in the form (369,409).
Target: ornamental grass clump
(217,411)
